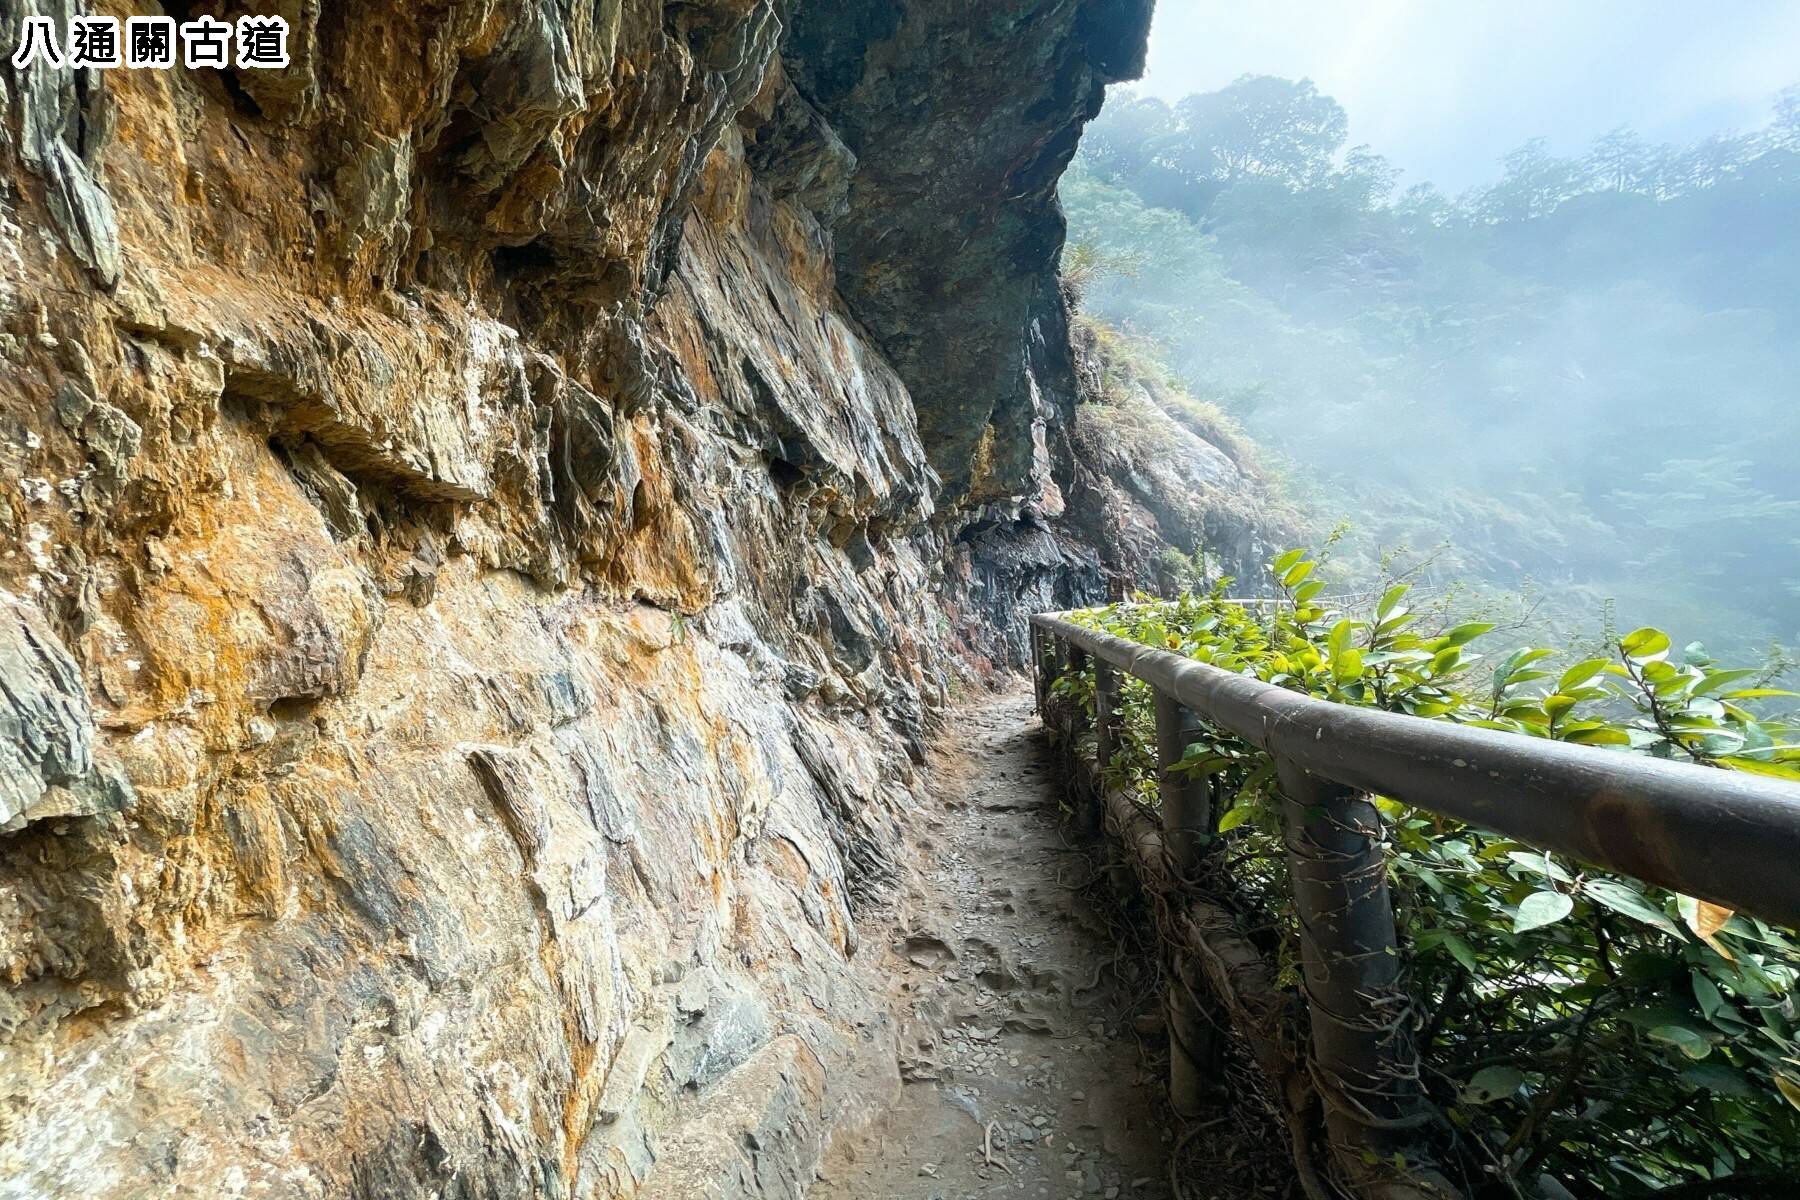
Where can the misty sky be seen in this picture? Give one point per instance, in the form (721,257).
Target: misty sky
(1445,87)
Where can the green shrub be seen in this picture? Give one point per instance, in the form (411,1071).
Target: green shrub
(1572,1021)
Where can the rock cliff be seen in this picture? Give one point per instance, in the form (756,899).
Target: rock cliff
(490,516)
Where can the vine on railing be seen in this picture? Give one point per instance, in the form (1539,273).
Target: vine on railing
(1574,1025)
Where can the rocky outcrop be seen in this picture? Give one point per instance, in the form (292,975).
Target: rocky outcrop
(47,735)
(953,225)
(1146,490)
(1163,487)
(479,573)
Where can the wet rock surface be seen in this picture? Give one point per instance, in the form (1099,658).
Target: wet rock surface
(1028,1063)
(475,591)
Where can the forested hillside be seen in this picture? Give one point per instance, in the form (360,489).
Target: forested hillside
(1584,378)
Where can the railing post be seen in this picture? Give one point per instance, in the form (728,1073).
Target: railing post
(1037,664)
(1364,1058)
(1106,713)
(1187,806)
(1046,653)
(1107,729)
(1076,663)
(1187,820)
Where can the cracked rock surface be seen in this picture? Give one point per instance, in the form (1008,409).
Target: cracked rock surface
(490,518)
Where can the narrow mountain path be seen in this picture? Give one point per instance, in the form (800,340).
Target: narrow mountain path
(1022,1043)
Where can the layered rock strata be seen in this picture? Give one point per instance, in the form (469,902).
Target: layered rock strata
(489,514)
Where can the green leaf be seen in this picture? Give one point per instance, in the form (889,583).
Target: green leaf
(1392,598)
(1462,952)
(1690,1042)
(1539,863)
(1650,1016)
(1493,1083)
(1511,672)
(1340,636)
(1540,909)
(1627,900)
(1644,643)
(1199,762)
(1713,680)
(1459,949)
(1237,816)
(1598,736)
(1758,767)
(1580,673)
(1706,994)
(1281,565)
(1395,621)
(1462,635)
(1716,1077)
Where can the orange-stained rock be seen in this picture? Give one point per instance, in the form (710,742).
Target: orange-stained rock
(473,591)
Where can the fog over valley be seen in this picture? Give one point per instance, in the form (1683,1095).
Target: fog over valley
(1576,385)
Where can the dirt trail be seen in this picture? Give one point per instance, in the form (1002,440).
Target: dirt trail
(1020,1046)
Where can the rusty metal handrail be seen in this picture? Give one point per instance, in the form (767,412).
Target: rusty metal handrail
(1722,836)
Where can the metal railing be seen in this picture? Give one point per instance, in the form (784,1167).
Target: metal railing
(1721,836)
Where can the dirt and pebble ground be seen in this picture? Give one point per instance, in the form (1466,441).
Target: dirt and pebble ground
(1028,1054)
(1029,1035)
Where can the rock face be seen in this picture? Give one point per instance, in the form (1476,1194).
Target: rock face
(953,224)
(1154,477)
(487,518)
